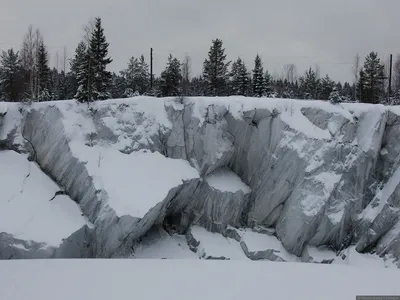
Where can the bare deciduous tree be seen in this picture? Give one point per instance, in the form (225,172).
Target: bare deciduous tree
(28,53)
(356,73)
(65,60)
(186,74)
(289,72)
(396,74)
(88,29)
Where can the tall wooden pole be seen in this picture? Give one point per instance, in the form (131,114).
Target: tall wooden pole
(390,76)
(151,68)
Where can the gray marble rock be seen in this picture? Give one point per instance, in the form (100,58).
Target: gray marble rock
(335,189)
(13,248)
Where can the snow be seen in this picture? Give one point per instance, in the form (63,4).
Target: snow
(353,258)
(226,180)
(165,279)
(382,197)
(11,120)
(367,130)
(260,242)
(3,108)
(296,120)
(288,109)
(169,247)
(26,211)
(216,245)
(313,203)
(134,182)
(329,180)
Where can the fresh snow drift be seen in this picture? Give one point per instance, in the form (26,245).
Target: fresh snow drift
(157,279)
(29,209)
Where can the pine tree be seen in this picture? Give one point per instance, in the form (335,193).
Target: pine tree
(240,78)
(258,78)
(43,73)
(10,76)
(215,70)
(327,85)
(371,79)
(171,78)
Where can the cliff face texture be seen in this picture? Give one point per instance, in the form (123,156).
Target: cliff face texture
(308,172)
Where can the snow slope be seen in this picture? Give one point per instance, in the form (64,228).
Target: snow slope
(194,279)
(27,208)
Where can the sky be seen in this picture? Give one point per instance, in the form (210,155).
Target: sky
(306,33)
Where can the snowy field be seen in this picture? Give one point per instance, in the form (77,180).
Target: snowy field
(188,279)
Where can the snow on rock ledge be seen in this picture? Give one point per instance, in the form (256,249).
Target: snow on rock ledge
(30,209)
(225,180)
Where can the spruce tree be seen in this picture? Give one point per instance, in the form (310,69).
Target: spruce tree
(137,76)
(171,78)
(82,72)
(327,85)
(215,70)
(258,78)
(10,76)
(371,79)
(334,96)
(309,85)
(199,86)
(43,73)
(118,87)
(240,78)
(98,52)
(268,81)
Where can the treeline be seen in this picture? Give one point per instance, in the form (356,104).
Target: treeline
(26,75)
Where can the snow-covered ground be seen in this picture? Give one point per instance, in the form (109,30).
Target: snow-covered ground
(182,279)
(217,246)
(27,208)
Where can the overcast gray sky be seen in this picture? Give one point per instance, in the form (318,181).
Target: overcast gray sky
(304,32)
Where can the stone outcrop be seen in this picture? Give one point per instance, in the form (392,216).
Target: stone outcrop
(319,174)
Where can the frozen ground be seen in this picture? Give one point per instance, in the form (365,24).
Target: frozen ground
(182,279)
(28,208)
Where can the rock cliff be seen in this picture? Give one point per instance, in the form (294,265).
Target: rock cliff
(312,173)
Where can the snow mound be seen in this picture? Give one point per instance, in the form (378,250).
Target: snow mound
(27,208)
(134,182)
(227,181)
